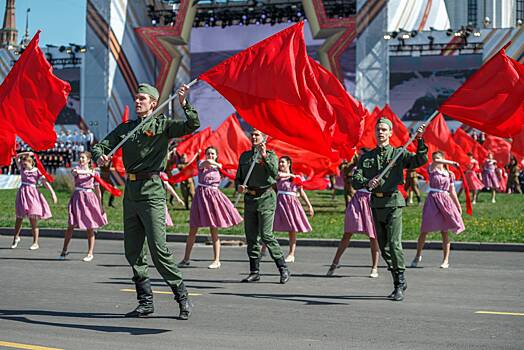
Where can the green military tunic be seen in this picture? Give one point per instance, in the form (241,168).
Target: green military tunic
(259,208)
(145,200)
(386,201)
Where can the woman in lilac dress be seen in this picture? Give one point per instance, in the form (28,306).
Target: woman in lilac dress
(210,208)
(471,174)
(489,176)
(358,219)
(442,211)
(30,203)
(289,214)
(85,207)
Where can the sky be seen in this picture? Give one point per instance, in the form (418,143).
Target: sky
(61,21)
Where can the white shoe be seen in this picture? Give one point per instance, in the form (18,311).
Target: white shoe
(63,255)
(290,259)
(493,201)
(183,263)
(88,258)
(15,242)
(332,269)
(444,266)
(34,246)
(214,265)
(416,261)
(374,273)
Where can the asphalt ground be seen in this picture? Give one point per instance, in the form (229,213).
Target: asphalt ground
(49,304)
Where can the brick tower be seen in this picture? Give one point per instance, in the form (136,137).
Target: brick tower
(8,33)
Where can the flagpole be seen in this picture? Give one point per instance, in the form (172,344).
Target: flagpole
(251,167)
(397,156)
(248,175)
(159,108)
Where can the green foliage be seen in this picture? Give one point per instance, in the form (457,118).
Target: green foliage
(500,222)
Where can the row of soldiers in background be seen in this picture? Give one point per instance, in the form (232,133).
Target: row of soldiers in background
(515,179)
(84,139)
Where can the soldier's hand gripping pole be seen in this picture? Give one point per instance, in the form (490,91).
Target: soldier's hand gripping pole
(397,156)
(248,175)
(154,113)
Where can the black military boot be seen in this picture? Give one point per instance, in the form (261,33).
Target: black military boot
(185,305)
(284,272)
(254,274)
(395,276)
(400,286)
(144,295)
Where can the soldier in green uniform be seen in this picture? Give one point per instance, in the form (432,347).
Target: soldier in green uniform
(386,201)
(144,157)
(260,205)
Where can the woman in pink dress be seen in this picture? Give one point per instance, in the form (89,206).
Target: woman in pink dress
(358,219)
(30,203)
(489,176)
(442,211)
(289,214)
(471,174)
(210,208)
(85,206)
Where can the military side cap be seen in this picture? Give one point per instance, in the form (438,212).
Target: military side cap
(149,90)
(385,121)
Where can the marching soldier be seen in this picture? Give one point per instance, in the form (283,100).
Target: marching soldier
(144,157)
(386,201)
(260,205)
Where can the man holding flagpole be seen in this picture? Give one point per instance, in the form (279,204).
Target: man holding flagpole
(144,157)
(386,200)
(256,175)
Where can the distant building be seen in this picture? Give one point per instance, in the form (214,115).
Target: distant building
(8,33)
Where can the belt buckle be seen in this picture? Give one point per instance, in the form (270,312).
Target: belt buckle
(252,192)
(379,194)
(131,177)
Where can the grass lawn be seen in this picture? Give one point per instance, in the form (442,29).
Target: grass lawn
(500,222)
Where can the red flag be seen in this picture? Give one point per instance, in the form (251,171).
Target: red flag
(492,99)
(437,134)
(517,146)
(31,98)
(273,87)
(349,113)
(469,205)
(117,161)
(400,132)
(500,148)
(467,143)
(230,141)
(195,143)
(190,170)
(316,183)
(367,140)
(7,146)
(40,167)
(304,162)
(108,187)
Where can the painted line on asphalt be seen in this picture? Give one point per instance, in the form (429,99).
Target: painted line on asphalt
(159,292)
(500,313)
(25,346)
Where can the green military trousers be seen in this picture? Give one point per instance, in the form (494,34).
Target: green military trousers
(147,219)
(259,213)
(388,224)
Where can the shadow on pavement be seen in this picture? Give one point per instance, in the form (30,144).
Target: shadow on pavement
(13,315)
(308,299)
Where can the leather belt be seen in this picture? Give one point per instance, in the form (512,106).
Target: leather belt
(146,175)
(256,191)
(383,194)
